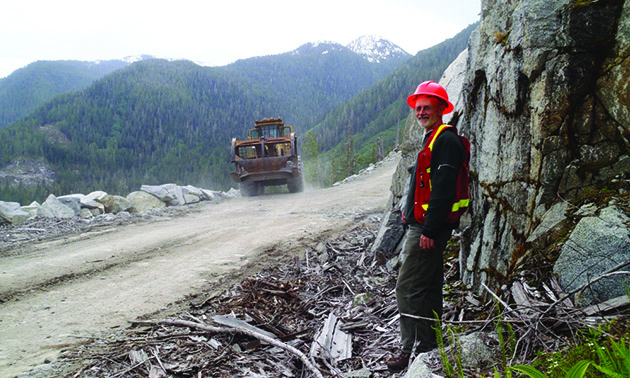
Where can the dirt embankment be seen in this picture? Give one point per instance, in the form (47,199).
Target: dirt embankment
(57,293)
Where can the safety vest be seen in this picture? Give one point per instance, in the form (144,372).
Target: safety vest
(423,181)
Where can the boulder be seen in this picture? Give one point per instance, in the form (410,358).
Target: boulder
(115,204)
(53,208)
(72,202)
(479,349)
(476,351)
(98,211)
(158,191)
(175,191)
(32,208)
(191,194)
(12,213)
(597,244)
(419,368)
(86,213)
(209,195)
(84,201)
(143,201)
(171,194)
(96,195)
(232,193)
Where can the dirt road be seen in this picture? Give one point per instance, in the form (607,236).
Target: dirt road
(65,291)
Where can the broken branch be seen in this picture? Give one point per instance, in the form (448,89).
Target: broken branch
(209,328)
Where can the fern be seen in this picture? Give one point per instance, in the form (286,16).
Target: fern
(448,368)
(614,361)
(577,371)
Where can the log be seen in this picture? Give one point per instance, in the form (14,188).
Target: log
(233,322)
(607,306)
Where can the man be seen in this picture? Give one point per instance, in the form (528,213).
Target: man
(438,194)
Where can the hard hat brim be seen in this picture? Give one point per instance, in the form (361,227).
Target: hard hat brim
(411,100)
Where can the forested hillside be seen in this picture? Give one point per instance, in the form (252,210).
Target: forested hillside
(347,136)
(29,87)
(158,121)
(153,122)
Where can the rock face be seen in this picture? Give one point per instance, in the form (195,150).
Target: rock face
(546,111)
(27,172)
(543,95)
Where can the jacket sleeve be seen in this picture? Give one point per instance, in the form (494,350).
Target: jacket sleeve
(446,158)
(408,210)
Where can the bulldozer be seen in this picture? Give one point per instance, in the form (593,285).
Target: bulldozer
(268,157)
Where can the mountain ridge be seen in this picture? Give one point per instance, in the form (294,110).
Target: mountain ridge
(29,87)
(157,121)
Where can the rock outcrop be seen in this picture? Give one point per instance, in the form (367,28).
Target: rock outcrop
(542,94)
(546,99)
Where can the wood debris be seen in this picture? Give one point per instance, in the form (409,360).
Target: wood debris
(289,304)
(331,313)
(331,342)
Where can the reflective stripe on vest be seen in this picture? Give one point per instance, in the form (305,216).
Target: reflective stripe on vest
(456,206)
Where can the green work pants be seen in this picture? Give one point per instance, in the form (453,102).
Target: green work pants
(419,289)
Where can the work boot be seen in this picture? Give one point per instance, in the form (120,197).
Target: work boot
(425,348)
(396,364)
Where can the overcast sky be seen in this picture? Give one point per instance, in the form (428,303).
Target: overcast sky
(214,33)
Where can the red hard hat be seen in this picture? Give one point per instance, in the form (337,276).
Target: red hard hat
(430,88)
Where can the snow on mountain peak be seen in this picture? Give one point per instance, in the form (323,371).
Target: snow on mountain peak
(375,49)
(136,58)
(317,43)
(320,47)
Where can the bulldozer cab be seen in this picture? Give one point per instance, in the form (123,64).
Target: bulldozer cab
(270,137)
(270,128)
